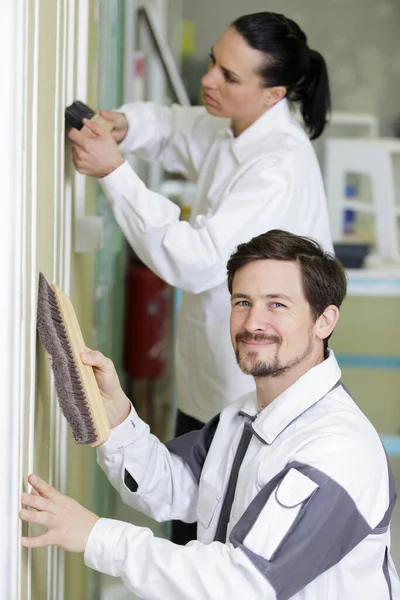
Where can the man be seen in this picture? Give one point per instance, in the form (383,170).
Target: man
(290,484)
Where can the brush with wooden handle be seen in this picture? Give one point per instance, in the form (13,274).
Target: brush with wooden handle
(77,390)
(77,111)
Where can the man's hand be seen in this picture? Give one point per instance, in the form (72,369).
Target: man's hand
(119,121)
(97,154)
(116,403)
(68,523)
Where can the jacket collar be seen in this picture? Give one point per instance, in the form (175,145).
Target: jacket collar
(245,144)
(293,402)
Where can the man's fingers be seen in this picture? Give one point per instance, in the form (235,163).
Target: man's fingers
(95,359)
(43,488)
(40,541)
(37,502)
(77,137)
(109,115)
(76,150)
(36,516)
(87,132)
(94,127)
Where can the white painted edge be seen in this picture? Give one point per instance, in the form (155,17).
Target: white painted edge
(29,287)
(81,92)
(11,34)
(88,228)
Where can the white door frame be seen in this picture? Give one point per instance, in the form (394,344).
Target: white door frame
(11,152)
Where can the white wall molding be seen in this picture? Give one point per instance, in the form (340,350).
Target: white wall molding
(11,36)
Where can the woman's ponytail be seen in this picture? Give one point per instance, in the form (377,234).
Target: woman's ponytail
(289,62)
(313,94)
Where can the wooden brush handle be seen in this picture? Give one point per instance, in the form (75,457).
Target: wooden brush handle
(86,374)
(107,125)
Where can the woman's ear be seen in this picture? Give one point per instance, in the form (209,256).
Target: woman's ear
(274,94)
(326,322)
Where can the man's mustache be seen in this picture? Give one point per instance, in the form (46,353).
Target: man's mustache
(246,336)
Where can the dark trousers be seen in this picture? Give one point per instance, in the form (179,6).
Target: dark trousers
(182,533)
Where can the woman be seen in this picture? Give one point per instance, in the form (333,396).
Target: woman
(255,170)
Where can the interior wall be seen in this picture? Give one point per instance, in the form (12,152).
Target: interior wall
(358,38)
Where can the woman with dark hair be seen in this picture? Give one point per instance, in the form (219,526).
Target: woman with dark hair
(288,62)
(255,170)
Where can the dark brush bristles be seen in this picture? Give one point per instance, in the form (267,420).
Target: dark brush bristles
(76,112)
(71,396)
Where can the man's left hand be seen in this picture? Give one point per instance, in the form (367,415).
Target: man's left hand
(68,523)
(95,153)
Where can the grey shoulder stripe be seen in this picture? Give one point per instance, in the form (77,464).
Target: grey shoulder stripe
(327,528)
(380,530)
(193,447)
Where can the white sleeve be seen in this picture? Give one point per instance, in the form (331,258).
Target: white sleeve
(179,137)
(194,259)
(164,486)
(156,569)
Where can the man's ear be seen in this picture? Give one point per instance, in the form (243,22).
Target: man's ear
(326,322)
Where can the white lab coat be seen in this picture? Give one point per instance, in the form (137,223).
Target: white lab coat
(266,178)
(311,511)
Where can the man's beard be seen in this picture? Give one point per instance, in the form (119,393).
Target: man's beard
(275,368)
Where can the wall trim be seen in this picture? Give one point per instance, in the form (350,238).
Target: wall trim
(11,104)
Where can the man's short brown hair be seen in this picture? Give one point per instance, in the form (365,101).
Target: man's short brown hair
(324,279)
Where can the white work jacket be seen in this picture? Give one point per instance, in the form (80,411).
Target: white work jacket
(311,496)
(267,178)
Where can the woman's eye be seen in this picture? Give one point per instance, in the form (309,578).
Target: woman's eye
(229,78)
(212,59)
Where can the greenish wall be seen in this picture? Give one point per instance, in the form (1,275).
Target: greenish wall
(369,328)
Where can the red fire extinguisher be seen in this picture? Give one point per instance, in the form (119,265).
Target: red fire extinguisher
(146,323)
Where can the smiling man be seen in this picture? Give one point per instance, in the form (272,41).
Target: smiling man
(290,484)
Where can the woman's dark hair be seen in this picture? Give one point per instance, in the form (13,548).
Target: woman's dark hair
(289,62)
(324,279)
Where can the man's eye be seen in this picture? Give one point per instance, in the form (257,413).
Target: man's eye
(212,58)
(242,303)
(278,305)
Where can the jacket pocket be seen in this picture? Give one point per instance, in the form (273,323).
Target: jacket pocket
(280,514)
(207,505)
